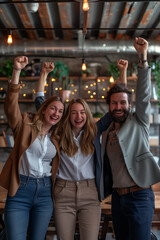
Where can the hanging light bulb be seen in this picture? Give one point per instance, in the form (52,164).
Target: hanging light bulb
(10,39)
(83,65)
(111,79)
(85,6)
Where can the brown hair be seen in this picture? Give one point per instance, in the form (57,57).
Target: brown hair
(67,142)
(117,88)
(38,118)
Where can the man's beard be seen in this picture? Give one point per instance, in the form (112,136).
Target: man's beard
(119,119)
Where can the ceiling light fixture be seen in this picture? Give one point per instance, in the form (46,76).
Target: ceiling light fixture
(10,39)
(84,67)
(85,6)
(32,7)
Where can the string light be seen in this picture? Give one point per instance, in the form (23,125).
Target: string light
(83,65)
(85,6)
(111,79)
(10,39)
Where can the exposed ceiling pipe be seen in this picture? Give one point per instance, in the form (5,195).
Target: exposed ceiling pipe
(72,49)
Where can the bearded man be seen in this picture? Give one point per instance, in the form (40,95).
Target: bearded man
(128,165)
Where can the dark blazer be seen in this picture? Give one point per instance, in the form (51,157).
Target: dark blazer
(103,173)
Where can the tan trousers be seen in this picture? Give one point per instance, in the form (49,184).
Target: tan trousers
(77,200)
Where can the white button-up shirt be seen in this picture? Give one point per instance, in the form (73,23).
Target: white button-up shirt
(78,167)
(37,159)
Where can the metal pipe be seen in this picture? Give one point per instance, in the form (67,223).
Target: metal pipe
(72,49)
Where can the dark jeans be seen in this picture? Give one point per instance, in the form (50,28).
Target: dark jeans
(30,209)
(132,215)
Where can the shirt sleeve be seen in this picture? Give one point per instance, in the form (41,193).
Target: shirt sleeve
(39,100)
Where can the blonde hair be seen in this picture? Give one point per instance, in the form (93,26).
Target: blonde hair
(67,142)
(39,117)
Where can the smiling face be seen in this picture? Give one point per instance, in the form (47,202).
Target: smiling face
(77,117)
(119,107)
(53,113)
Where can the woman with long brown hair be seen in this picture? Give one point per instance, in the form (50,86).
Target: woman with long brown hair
(80,181)
(75,191)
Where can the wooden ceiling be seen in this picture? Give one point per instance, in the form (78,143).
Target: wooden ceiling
(64,21)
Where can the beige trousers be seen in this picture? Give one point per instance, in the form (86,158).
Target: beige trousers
(77,200)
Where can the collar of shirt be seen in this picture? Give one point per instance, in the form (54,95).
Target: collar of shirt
(48,135)
(79,136)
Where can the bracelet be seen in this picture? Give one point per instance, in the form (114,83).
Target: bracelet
(142,61)
(18,69)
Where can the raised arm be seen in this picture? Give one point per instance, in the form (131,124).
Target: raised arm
(11,106)
(143,85)
(47,67)
(122,65)
(19,64)
(141,46)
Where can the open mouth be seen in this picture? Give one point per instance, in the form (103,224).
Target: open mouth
(79,121)
(54,118)
(118,113)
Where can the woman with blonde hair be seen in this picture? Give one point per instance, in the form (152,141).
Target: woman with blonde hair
(67,142)
(33,162)
(75,191)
